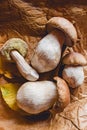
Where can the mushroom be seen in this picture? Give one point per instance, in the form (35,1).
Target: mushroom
(74,76)
(16,49)
(48,52)
(63,93)
(36,97)
(74,58)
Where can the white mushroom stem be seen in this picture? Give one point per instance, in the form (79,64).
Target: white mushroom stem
(24,68)
(48,52)
(73,75)
(36,97)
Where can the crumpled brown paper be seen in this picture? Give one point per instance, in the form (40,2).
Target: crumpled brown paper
(27,20)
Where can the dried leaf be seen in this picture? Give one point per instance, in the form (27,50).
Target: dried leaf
(7,69)
(7,74)
(1,68)
(9,92)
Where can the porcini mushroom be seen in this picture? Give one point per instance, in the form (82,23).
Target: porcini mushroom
(48,52)
(63,93)
(74,76)
(36,97)
(74,58)
(16,49)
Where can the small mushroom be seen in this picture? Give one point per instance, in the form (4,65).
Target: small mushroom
(36,97)
(48,52)
(74,76)
(63,93)
(74,58)
(16,49)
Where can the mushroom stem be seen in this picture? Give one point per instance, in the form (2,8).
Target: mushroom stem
(73,75)
(36,97)
(48,52)
(24,68)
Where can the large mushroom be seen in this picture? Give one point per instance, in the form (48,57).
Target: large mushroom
(48,52)
(15,49)
(40,96)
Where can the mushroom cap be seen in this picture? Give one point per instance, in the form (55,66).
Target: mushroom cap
(14,44)
(36,97)
(63,93)
(64,25)
(74,58)
(74,76)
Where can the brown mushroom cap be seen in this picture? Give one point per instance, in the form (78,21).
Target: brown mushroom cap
(14,44)
(74,58)
(63,93)
(64,25)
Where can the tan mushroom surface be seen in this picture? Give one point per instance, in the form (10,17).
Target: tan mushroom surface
(74,58)
(63,93)
(64,25)
(27,20)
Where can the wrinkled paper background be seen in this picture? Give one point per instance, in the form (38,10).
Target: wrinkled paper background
(27,19)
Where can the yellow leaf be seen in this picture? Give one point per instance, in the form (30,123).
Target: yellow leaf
(9,92)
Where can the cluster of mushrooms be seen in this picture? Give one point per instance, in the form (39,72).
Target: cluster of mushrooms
(37,96)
